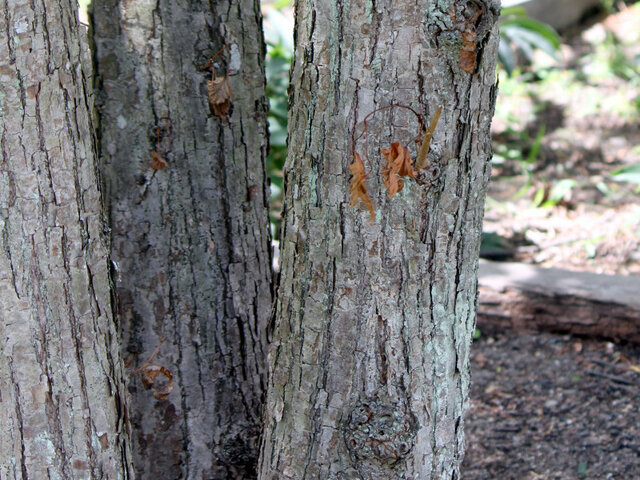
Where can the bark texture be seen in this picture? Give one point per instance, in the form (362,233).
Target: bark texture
(370,360)
(62,411)
(188,210)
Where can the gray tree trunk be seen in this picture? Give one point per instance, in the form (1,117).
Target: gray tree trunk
(185,183)
(62,396)
(374,319)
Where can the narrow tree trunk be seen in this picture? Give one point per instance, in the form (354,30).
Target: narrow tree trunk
(370,362)
(188,209)
(62,410)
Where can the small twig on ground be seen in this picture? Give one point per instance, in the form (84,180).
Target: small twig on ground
(613,378)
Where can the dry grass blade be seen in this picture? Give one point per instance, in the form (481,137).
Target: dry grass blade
(421,161)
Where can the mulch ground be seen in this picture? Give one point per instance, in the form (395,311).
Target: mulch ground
(547,406)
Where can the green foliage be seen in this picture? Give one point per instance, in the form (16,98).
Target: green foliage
(630,174)
(519,33)
(279,38)
(559,192)
(609,60)
(521,148)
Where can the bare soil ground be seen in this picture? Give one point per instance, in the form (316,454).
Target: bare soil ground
(545,406)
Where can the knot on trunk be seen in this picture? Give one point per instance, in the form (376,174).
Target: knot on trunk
(380,431)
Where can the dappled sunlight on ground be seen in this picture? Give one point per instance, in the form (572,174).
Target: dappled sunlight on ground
(560,138)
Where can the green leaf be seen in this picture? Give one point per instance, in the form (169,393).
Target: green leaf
(533,39)
(506,56)
(522,43)
(280,4)
(630,174)
(537,144)
(512,11)
(539,197)
(519,31)
(559,191)
(542,29)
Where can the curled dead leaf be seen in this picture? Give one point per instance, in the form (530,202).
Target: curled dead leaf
(399,164)
(149,375)
(357,188)
(157,162)
(219,95)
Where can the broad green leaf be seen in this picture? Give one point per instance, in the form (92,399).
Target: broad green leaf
(629,174)
(542,29)
(506,56)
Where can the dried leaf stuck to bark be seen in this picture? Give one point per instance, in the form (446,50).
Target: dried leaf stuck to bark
(218,88)
(399,164)
(157,162)
(467,59)
(219,95)
(468,56)
(149,375)
(357,188)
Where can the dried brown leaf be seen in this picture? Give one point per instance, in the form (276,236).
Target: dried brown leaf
(157,162)
(219,95)
(357,188)
(399,164)
(149,375)
(467,61)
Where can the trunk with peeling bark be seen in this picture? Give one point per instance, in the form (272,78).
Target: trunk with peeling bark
(187,200)
(374,318)
(62,397)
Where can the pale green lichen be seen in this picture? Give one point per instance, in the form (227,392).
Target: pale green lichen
(438,14)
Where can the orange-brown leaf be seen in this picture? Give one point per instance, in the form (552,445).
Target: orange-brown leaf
(149,375)
(399,164)
(467,61)
(357,188)
(219,95)
(157,162)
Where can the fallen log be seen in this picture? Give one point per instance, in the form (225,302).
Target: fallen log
(530,298)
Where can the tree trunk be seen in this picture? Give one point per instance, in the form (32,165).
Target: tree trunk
(185,182)
(374,318)
(62,391)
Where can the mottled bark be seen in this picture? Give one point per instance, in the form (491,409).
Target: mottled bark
(62,412)
(190,238)
(374,319)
